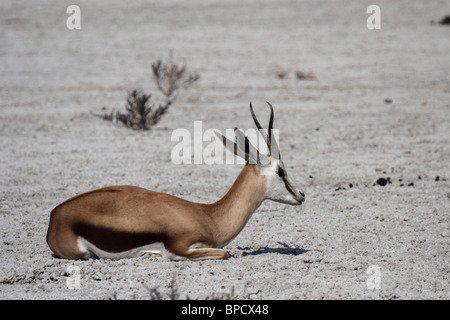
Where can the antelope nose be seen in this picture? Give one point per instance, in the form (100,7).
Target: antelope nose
(301,198)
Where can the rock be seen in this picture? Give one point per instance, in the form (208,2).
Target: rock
(445,20)
(302,75)
(382,182)
(281,74)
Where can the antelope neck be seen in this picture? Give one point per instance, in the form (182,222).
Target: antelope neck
(231,213)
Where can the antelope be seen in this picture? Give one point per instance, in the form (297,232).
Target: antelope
(127,221)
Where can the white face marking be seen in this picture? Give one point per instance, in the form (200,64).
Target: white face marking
(268,170)
(280,187)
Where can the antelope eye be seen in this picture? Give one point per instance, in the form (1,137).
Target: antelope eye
(281,172)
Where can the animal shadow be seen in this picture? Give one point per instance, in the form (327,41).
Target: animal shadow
(285,249)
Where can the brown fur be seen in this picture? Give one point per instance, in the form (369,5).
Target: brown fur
(120,218)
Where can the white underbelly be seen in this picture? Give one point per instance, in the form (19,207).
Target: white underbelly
(91,251)
(157,249)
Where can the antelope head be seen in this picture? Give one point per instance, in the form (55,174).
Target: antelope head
(279,185)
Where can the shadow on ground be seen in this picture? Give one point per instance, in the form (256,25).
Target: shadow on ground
(284,249)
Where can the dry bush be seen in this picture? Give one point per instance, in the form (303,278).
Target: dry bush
(170,77)
(140,113)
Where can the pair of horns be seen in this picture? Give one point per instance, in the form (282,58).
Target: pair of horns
(271,144)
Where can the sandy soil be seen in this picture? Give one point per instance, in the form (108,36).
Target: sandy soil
(378,108)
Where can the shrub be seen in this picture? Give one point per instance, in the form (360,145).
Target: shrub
(140,113)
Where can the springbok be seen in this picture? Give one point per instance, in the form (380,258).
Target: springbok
(126,221)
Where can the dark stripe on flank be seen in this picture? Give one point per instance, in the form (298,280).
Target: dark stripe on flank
(114,241)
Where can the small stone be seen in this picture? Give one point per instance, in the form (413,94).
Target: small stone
(281,74)
(382,182)
(445,20)
(303,75)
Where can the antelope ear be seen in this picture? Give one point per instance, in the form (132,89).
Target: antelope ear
(232,146)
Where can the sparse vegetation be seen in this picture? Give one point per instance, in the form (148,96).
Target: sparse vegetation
(140,113)
(170,77)
(299,75)
(156,294)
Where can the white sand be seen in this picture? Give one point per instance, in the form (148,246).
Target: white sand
(337,129)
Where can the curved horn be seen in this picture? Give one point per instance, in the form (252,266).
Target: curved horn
(273,146)
(260,128)
(269,130)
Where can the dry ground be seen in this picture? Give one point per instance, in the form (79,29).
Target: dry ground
(335,131)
